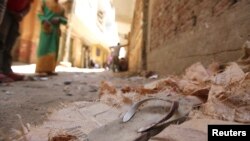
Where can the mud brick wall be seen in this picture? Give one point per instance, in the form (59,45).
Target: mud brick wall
(183,32)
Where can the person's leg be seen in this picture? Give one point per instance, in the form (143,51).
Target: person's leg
(116,64)
(5,79)
(4,30)
(10,41)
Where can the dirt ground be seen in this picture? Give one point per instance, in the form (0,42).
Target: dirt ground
(83,100)
(35,99)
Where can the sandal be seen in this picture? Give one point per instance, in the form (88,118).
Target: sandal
(5,79)
(15,76)
(148,122)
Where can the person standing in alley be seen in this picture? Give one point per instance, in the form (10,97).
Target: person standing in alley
(115,63)
(9,31)
(51,17)
(115,60)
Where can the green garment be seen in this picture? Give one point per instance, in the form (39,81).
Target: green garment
(49,42)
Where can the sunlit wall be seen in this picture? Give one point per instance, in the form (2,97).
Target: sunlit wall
(85,22)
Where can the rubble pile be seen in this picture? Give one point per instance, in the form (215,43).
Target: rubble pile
(223,89)
(244,61)
(229,96)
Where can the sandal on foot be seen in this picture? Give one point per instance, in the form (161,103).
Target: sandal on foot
(15,76)
(5,79)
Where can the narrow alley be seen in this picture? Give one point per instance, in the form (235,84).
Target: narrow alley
(124,70)
(36,98)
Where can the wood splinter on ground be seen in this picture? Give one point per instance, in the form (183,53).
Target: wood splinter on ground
(63,137)
(21,133)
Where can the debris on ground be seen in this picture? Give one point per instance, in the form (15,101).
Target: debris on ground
(220,93)
(61,136)
(35,78)
(107,88)
(151,75)
(244,61)
(232,74)
(224,90)
(67,82)
(196,72)
(69,94)
(93,88)
(230,101)
(20,134)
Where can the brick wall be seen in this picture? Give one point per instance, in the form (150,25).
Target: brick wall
(183,32)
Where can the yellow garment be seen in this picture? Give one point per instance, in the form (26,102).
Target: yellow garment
(42,67)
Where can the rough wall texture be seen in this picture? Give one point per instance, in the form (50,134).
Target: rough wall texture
(183,32)
(135,39)
(29,38)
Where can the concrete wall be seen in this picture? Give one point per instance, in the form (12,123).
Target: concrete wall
(183,32)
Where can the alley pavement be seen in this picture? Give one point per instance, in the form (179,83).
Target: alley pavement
(35,99)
